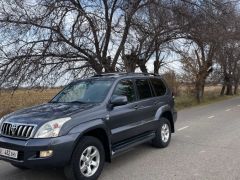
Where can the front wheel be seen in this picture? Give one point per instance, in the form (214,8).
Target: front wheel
(87,161)
(163,134)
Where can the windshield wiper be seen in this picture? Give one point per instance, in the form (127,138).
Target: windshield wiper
(80,102)
(54,102)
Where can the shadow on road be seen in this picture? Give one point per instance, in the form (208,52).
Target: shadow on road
(8,172)
(12,173)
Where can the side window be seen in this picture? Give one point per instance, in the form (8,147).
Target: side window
(158,86)
(125,88)
(143,88)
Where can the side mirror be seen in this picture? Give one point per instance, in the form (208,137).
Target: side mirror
(118,100)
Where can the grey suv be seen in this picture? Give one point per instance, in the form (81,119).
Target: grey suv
(89,122)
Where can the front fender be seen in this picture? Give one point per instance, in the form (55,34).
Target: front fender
(89,126)
(92,125)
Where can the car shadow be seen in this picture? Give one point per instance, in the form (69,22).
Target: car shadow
(8,172)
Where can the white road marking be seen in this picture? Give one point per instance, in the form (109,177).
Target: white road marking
(210,117)
(228,110)
(202,151)
(185,127)
(238,105)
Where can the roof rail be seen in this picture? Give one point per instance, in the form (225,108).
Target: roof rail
(145,74)
(109,74)
(124,73)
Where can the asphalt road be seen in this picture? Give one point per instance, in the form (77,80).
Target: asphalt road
(206,145)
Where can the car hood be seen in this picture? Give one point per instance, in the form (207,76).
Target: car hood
(46,112)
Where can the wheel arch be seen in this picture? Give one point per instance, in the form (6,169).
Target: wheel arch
(168,115)
(95,129)
(166,112)
(101,134)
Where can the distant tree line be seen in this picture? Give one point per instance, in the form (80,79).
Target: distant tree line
(44,40)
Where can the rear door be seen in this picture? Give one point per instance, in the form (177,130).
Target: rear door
(160,91)
(146,107)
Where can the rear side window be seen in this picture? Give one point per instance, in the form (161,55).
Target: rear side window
(143,88)
(159,87)
(125,88)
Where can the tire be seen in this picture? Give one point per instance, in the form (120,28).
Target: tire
(81,161)
(163,134)
(20,167)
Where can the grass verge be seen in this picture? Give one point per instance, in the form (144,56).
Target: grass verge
(187,101)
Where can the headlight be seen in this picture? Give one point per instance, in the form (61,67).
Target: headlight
(52,128)
(1,121)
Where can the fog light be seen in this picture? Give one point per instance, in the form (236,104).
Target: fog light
(44,154)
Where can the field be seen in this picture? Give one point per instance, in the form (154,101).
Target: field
(11,101)
(186,99)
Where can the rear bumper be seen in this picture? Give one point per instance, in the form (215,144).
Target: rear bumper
(28,151)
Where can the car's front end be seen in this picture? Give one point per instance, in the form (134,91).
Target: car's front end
(31,144)
(50,152)
(40,136)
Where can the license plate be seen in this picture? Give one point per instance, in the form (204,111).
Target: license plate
(8,153)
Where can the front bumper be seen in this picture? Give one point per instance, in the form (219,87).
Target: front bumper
(28,151)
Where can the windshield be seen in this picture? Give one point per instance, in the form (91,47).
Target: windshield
(88,91)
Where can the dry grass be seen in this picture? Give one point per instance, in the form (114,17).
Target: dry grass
(186,98)
(26,98)
(11,101)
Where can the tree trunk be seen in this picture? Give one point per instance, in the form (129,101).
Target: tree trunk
(229,89)
(156,66)
(98,69)
(203,88)
(130,61)
(199,91)
(107,65)
(229,84)
(142,66)
(199,86)
(236,88)
(223,90)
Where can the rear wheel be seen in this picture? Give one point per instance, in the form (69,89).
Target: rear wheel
(163,134)
(87,161)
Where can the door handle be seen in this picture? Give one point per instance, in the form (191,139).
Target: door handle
(135,107)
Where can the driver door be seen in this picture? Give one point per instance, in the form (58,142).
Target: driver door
(124,120)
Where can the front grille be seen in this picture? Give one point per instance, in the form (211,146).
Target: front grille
(17,130)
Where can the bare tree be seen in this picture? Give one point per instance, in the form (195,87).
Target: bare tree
(203,28)
(150,34)
(44,41)
(59,37)
(229,59)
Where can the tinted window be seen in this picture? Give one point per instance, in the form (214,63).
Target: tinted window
(125,88)
(158,86)
(143,88)
(84,91)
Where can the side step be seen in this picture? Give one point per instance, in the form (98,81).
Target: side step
(126,145)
